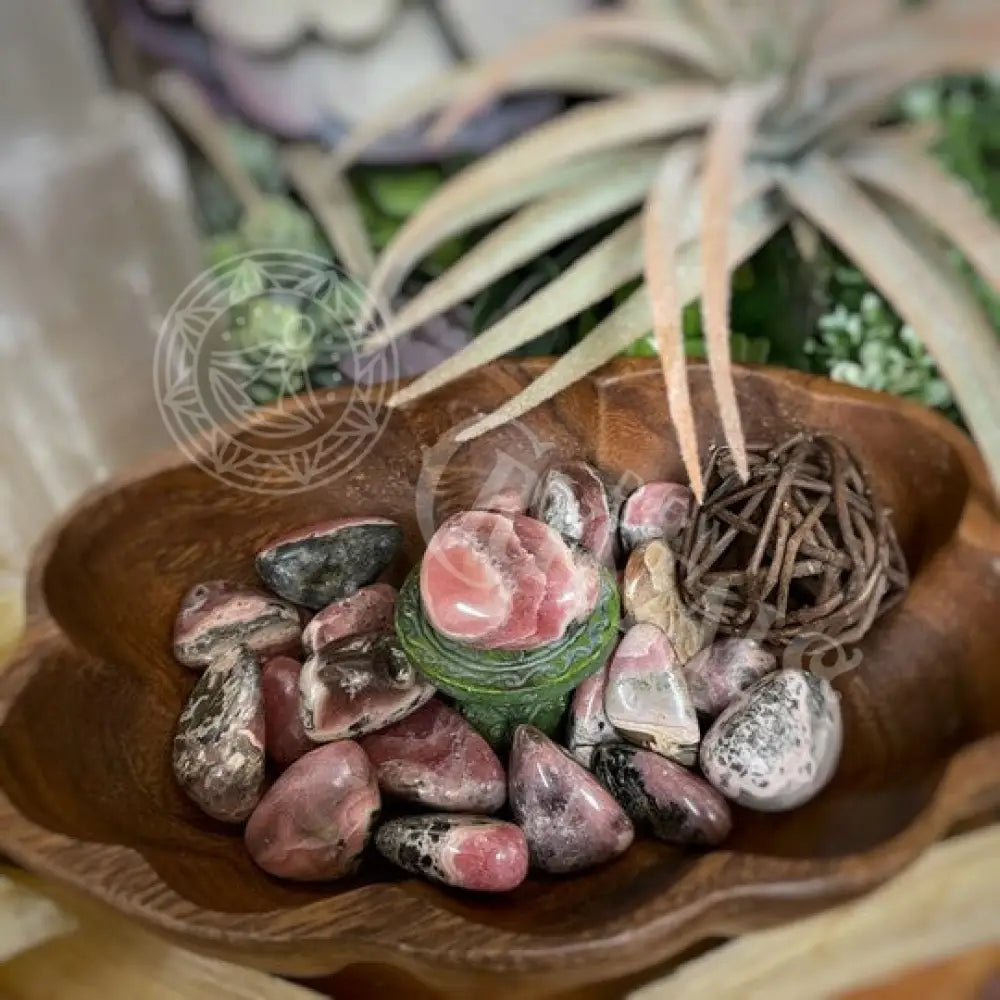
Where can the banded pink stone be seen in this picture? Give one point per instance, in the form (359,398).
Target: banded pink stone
(467,852)
(358,685)
(218,750)
(721,672)
(646,697)
(659,795)
(495,581)
(569,820)
(316,819)
(216,615)
(572,498)
(655,510)
(436,758)
(369,610)
(285,738)
(587,725)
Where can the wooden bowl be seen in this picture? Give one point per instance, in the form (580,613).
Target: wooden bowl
(89,706)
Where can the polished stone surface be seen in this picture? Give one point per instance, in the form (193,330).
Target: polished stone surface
(464,851)
(778,744)
(436,758)
(326,562)
(673,803)
(646,698)
(369,610)
(654,510)
(721,672)
(650,594)
(572,498)
(216,615)
(358,685)
(587,724)
(570,820)
(316,819)
(285,739)
(218,749)
(504,582)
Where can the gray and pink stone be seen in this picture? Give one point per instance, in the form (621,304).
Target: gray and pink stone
(371,609)
(778,744)
(216,615)
(285,739)
(572,498)
(587,725)
(646,697)
(654,510)
(358,685)
(675,805)
(218,749)
(496,581)
(464,851)
(326,562)
(569,819)
(316,819)
(721,672)
(436,758)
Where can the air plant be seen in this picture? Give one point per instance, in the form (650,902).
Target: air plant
(736,119)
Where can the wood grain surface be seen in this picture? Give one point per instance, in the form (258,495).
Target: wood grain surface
(98,809)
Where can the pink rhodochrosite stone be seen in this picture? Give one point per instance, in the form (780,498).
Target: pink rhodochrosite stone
(655,510)
(504,582)
(285,740)
(216,615)
(436,758)
(468,852)
(720,673)
(569,820)
(587,726)
(358,685)
(369,610)
(646,697)
(316,819)
(571,497)
(218,751)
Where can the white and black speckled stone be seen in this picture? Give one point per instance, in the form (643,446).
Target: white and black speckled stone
(778,745)
(587,725)
(218,751)
(359,685)
(323,563)
(675,805)
(468,852)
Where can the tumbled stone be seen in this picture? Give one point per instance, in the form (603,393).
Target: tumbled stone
(504,582)
(510,500)
(358,685)
(218,751)
(285,739)
(651,594)
(646,697)
(436,758)
(316,819)
(654,510)
(587,725)
(778,744)
(467,852)
(323,563)
(661,796)
(216,615)
(569,820)
(723,671)
(572,498)
(369,610)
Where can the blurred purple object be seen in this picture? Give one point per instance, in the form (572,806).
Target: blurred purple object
(419,351)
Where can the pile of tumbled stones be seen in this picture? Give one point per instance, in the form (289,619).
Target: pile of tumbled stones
(312,674)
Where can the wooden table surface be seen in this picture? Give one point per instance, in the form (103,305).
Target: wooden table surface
(932,933)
